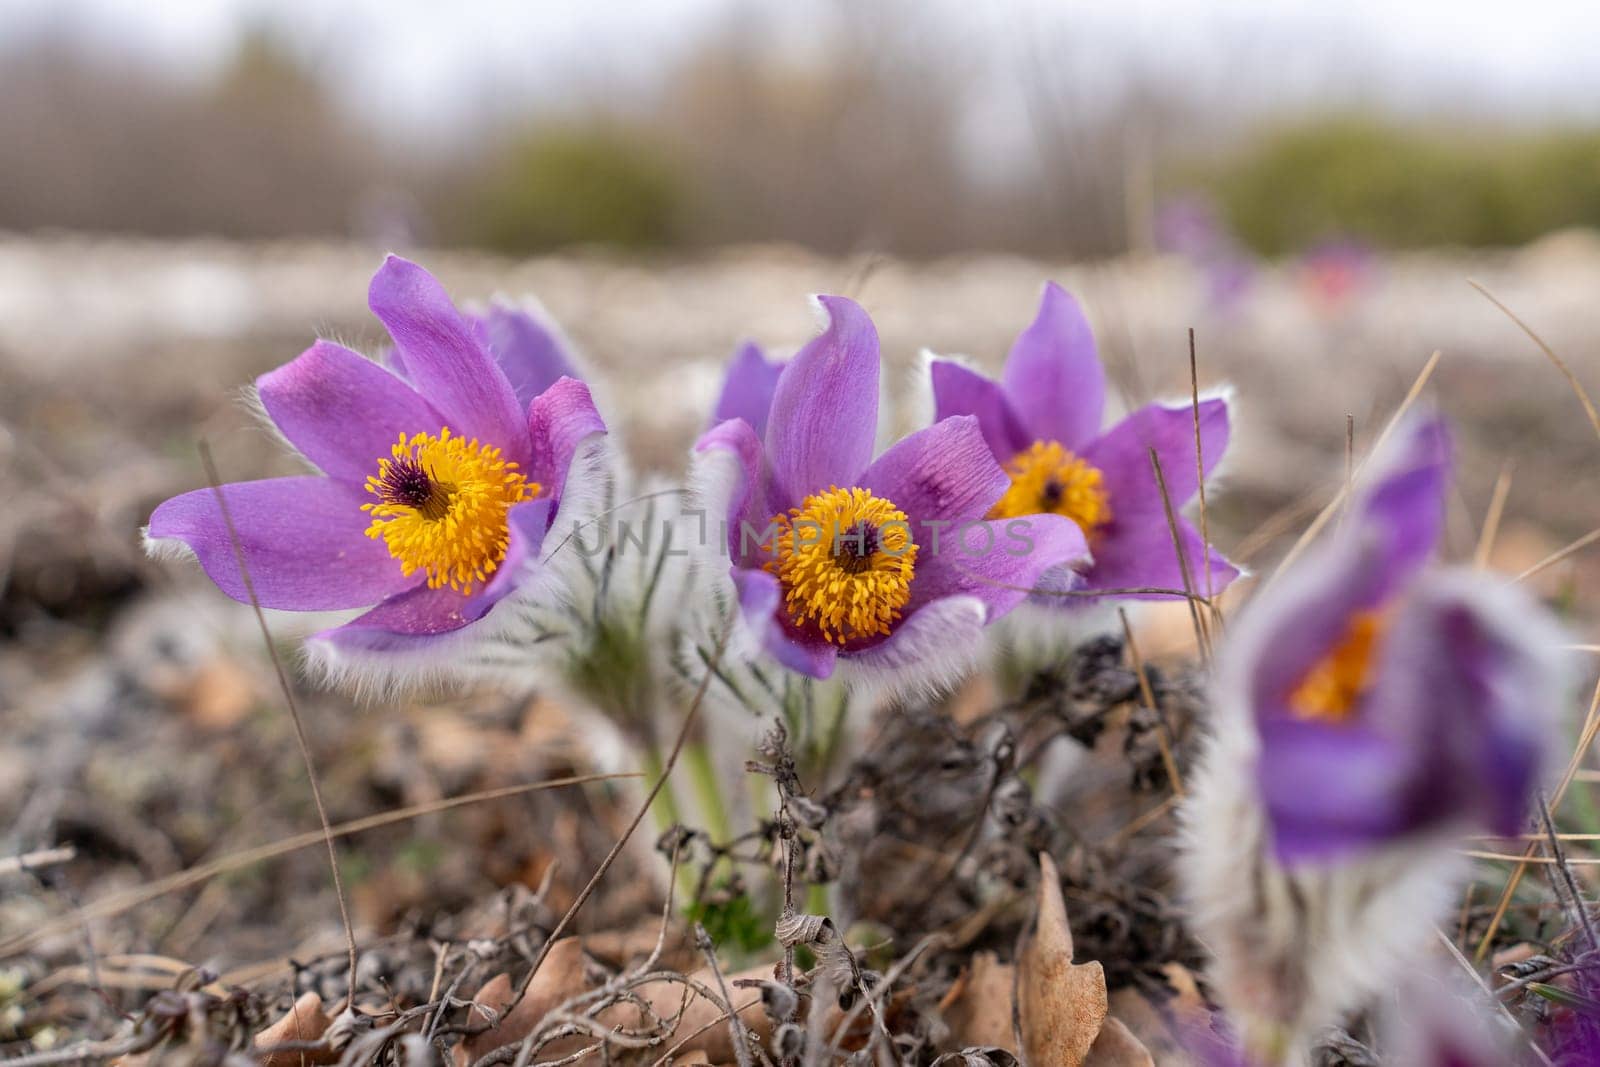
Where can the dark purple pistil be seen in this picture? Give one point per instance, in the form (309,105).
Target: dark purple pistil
(408,483)
(854,548)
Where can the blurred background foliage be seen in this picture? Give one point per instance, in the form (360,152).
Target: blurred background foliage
(594,184)
(892,131)
(1408,186)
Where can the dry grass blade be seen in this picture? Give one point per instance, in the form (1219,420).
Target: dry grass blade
(1163,735)
(118,903)
(1545,861)
(1550,354)
(1337,502)
(215,482)
(1200,467)
(1560,554)
(36,860)
(1202,636)
(1491,518)
(1455,954)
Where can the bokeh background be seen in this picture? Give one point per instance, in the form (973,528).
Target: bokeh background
(191,191)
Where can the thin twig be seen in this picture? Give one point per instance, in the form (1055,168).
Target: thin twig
(294,710)
(1457,955)
(616,850)
(666,1058)
(36,860)
(741,1050)
(1562,877)
(1201,636)
(1164,738)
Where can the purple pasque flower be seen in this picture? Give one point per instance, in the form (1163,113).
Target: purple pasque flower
(438,480)
(1386,697)
(889,563)
(1042,423)
(524,340)
(747,388)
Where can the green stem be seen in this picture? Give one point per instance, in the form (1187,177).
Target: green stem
(708,791)
(666,813)
(665,810)
(817,900)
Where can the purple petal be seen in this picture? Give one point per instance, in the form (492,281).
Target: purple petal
(1454,732)
(559,420)
(1302,616)
(1122,456)
(529,348)
(1135,549)
(416,619)
(1402,503)
(1132,554)
(1053,376)
(1329,790)
(947,631)
(303,541)
(747,513)
(343,411)
(1468,686)
(824,415)
(748,387)
(944,473)
(960,391)
(445,357)
(760,603)
(1000,562)
(1365,563)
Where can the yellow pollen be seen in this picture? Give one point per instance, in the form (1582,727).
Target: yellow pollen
(1048,479)
(845,559)
(1333,687)
(442,503)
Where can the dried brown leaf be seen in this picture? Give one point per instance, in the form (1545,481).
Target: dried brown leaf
(559,978)
(977,1007)
(1117,1047)
(304,1021)
(1063,1005)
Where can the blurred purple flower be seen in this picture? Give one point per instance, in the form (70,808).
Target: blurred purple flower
(440,478)
(887,564)
(747,388)
(1042,422)
(1189,226)
(1388,697)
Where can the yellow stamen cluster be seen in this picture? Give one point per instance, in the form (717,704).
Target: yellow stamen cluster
(1048,479)
(442,503)
(1332,688)
(845,558)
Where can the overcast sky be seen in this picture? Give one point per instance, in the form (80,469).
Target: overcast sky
(433,60)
